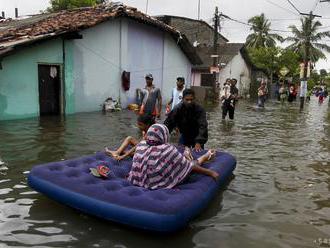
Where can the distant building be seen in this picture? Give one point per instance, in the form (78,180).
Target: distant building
(71,61)
(232,59)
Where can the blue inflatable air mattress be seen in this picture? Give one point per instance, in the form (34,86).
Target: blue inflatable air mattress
(115,199)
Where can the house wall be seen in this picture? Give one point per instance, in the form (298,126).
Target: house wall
(96,66)
(175,64)
(196,79)
(145,51)
(130,46)
(237,68)
(93,67)
(19,87)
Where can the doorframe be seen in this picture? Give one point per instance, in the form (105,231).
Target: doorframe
(62,85)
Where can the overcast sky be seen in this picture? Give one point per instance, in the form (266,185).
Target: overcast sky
(279,12)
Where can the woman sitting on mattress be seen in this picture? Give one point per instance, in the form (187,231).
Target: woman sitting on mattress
(158,164)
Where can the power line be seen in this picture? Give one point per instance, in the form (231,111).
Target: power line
(294,7)
(250,25)
(315,5)
(280,7)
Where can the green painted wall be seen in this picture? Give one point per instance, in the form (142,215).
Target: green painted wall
(19,94)
(69,101)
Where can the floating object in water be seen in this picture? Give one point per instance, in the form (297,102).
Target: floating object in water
(116,199)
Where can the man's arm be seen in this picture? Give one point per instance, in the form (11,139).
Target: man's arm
(202,128)
(170,102)
(159,102)
(170,121)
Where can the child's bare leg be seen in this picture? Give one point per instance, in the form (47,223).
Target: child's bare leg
(205,171)
(202,159)
(128,141)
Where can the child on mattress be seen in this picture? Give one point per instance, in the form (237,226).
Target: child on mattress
(158,164)
(143,122)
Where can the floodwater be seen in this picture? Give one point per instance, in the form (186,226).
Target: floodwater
(280,196)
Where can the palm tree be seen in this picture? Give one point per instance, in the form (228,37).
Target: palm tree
(261,36)
(306,41)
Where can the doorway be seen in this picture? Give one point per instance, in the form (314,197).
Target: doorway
(49,89)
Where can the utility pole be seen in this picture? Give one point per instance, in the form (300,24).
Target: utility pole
(147,3)
(215,50)
(199,9)
(307,65)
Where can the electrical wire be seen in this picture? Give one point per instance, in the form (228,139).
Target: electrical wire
(315,5)
(294,6)
(248,24)
(281,7)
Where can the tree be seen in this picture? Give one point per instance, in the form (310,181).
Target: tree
(290,60)
(306,40)
(323,73)
(313,80)
(57,5)
(266,58)
(261,36)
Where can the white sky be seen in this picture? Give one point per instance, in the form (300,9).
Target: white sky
(280,13)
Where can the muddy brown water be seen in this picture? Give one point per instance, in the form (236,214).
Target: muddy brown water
(279,197)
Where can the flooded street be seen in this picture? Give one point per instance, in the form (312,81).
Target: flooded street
(280,196)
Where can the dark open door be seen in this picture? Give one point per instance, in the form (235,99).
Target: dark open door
(49,89)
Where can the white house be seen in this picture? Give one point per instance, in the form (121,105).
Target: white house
(71,61)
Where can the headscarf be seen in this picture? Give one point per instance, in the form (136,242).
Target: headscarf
(156,163)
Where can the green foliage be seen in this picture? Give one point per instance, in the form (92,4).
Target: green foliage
(272,59)
(57,5)
(323,73)
(261,36)
(290,60)
(265,58)
(313,80)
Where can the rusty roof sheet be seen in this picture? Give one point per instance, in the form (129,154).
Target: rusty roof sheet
(18,32)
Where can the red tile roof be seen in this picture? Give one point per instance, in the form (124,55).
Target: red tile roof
(17,32)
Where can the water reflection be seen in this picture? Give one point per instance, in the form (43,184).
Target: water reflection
(279,198)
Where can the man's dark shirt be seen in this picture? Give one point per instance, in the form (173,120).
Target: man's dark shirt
(191,122)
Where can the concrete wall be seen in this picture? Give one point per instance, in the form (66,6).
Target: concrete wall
(145,52)
(93,67)
(96,66)
(196,79)
(129,46)
(176,64)
(19,88)
(237,68)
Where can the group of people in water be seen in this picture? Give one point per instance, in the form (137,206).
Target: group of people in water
(156,162)
(287,92)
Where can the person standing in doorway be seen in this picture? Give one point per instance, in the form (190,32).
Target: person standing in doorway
(152,99)
(177,94)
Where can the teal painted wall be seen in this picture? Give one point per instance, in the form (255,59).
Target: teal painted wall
(19,94)
(69,101)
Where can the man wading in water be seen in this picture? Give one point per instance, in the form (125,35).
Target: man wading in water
(190,118)
(152,95)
